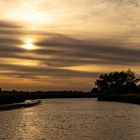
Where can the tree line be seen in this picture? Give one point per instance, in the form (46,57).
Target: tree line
(109,86)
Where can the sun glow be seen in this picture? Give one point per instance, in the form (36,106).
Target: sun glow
(29,44)
(30,16)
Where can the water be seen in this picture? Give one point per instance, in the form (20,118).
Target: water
(72,119)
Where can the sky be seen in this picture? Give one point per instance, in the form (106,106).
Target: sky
(66,45)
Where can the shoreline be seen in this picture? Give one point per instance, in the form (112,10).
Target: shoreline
(25,104)
(126,98)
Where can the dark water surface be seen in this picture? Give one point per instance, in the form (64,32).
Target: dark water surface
(72,119)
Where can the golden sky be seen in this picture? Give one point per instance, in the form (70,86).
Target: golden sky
(62,45)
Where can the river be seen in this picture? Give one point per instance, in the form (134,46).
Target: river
(72,119)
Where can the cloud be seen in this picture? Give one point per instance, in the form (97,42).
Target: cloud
(93,37)
(8,24)
(100,50)
(58,55)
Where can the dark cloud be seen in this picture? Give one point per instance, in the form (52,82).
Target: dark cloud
(134,3)
(105,51)
(8,24)
(29,71)
(10,41)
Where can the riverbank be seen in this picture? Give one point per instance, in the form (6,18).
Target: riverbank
(127,98)
(25,104)
(10,97)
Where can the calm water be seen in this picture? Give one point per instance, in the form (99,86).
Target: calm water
(72,119)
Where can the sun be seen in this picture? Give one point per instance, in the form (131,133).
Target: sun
(29,44)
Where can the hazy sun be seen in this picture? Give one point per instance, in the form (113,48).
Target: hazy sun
(29,44)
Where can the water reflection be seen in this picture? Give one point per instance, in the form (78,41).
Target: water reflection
(29,124)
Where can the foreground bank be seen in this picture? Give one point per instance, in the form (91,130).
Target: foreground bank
(19,105)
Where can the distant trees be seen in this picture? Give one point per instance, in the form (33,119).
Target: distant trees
(9,97)
(124,81)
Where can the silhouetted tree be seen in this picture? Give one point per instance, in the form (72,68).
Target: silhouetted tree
(119,81)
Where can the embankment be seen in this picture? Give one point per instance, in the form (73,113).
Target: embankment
(19,105)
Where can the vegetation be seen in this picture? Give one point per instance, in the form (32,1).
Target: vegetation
(118,86)
(8,97)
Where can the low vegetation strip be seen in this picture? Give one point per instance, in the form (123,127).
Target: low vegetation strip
(128,98)
(9,97)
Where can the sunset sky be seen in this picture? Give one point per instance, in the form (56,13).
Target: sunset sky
(63,45)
